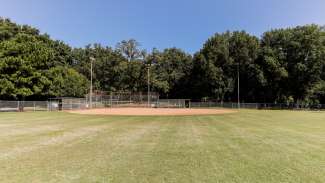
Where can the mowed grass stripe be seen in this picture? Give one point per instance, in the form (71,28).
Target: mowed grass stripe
(265,153)
(28,140)
(102,148)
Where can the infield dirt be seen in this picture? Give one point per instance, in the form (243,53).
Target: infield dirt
(153,111)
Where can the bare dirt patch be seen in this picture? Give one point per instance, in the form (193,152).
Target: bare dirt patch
(153,111)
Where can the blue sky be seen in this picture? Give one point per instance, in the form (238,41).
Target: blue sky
(186,24)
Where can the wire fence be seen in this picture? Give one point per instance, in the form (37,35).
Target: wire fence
(289,106)
(83,103)
(13,106)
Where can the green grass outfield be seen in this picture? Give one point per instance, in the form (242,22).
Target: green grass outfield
(249,146)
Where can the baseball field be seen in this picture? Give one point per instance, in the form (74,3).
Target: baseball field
(243,146)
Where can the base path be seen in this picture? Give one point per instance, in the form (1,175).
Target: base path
(152,111)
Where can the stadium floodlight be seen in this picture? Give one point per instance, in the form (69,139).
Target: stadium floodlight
(91,82)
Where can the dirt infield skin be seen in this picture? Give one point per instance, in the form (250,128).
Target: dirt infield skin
(152,111)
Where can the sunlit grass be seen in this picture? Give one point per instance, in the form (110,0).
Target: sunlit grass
(249,146)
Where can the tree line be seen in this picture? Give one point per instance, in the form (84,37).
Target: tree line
(283,65)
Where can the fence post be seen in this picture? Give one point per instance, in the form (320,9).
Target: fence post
(34,106)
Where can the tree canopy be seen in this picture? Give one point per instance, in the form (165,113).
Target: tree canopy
(283,65)
(26,61)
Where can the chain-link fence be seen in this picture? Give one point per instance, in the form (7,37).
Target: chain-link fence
(83,103)
(290,106)
(173,103)
(11,106)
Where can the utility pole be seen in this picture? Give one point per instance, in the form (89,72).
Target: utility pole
(238,87)
(91,83)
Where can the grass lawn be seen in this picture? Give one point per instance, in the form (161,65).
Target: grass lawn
(249,146)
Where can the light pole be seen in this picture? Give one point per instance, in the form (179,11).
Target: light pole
(148,75)
(91,83)
(238,87)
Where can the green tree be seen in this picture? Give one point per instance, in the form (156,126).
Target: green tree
(23,63)
(109,66)
(9,29)
(25,58)
(130,49)
(217,63)
(292,60)
(66,82)
(170,72)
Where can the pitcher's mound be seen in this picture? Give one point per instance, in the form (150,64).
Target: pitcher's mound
(153,111)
